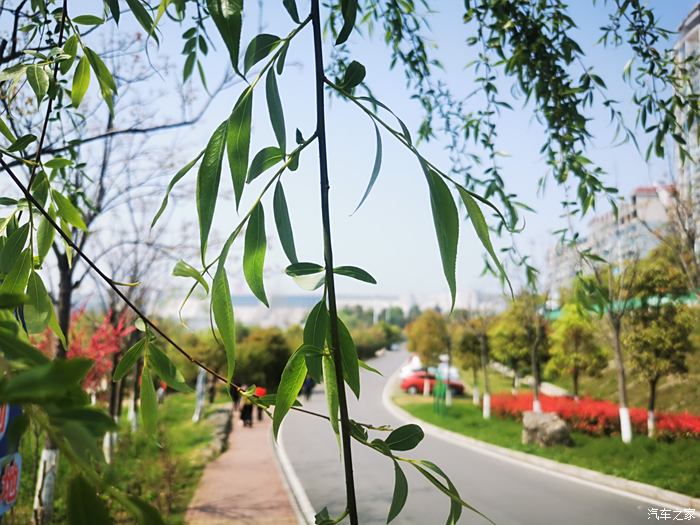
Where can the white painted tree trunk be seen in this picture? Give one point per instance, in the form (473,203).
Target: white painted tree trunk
(109,444)
(475,395)
(651,424)
(536,406)
(625,425)
(46,485)
(448,397)
(131,416)
(426,387)
(200,392)
(486,407)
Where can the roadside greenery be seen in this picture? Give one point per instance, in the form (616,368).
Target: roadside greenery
(645,460)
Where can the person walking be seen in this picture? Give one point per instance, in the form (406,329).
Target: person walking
(247,410)
(260,391)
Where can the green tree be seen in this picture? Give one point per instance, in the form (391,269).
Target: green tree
(575,349)
(262,356)
(428,337)
(466,349)
(659,327)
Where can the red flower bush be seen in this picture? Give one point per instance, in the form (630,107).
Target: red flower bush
(596,417)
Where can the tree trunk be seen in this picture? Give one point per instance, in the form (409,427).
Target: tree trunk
(625,424)
(475,387)
(134,411)
(212,390)
(48,465)
(651,420)
(486,405)
(574,376)
(535,365)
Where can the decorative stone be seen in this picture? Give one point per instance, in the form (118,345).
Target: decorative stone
(545,429)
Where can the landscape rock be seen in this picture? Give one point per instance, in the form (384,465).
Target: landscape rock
(545,429)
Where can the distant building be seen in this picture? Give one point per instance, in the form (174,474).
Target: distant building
(632,233)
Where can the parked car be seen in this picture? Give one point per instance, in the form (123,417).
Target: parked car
(413,383)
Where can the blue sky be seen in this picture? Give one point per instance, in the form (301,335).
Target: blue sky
(392,235)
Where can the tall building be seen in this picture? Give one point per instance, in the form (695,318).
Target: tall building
(634,232)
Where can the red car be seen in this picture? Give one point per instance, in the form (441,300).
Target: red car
(413,384)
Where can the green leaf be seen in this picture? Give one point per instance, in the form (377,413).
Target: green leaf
(114,9)
(81,81)
(44,238)
(315,330)
(39,308)
(189,66)
(291,7)
(6,131)
(364,365)
(38,80)
(164,368)
(354,75)
(15,349)
(282,57)
(208,180)
(264,160)
(348,9)
(68,211)
(88,20)
(21,143)
(355,273)
(58,163)
(178,176)
(238,142)
(351,367)
(254,253)
(303,268)
(375,169)
(71,49)
(149,402)
(406,437)
(108,87)
(260,46)
(227,18)
(40,189)
(129,360)
(274,107)
(45,382)
(143,17)
(16,280)
(182,269)
(398,500)
(284,225)
(12,250)
(482,229)
(223,316)
(446,222)
(330,385)
(10,301)
(85,507)
(291,382)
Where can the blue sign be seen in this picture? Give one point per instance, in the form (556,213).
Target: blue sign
(10,460)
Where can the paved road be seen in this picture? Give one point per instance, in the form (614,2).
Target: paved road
(508,493)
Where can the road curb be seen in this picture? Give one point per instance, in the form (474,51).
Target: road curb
(632,489)
(297,495)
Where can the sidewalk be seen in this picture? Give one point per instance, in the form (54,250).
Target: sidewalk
(243,486)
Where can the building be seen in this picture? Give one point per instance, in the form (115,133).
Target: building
(631,233)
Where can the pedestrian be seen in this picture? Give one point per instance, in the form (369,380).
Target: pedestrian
(160,393)
(260,391)
(247,410)
(308,387)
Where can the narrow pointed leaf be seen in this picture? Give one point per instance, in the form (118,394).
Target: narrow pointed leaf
(238,142)
(44,238)
(260,46)
(351,366)
(284,225)
(331,387)
(223,317)
(15,281)
(129,360)
(38,80)
(208,180)
(81,81)
(291,382)
(39,308)
(446,220)
(398,500)
(291,7)
(182,269)
(164,368)
(143,17)
(315,330)
(348,9)
(303,268)
(355,273)
(149,402)
(178,176)
(375,169)
(264,160)
(254,253)
(482,229)
(227,18)
(68,211)
(274,107)
(85,507)
(14,245)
